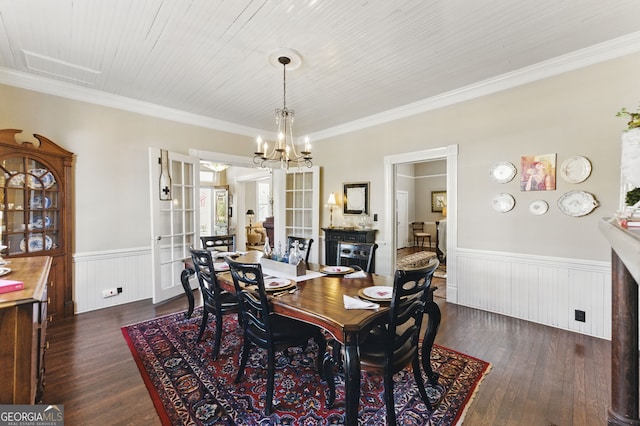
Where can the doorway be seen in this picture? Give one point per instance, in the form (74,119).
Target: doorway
(450,154)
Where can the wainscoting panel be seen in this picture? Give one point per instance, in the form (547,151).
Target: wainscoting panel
(98,271)
(536,288)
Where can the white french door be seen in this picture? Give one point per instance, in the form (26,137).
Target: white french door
(174,222)
(297,200)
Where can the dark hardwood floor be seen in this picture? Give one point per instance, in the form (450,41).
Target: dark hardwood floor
(539,376)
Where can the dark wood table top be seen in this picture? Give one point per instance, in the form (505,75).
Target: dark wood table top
(320,300)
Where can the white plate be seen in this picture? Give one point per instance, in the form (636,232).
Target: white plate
(502,172)
(336,270)
(538,207)
(575,169)
(221,266)
(36,243)
(503,202)
(4,271)
(276,283)
(40,178)
(378,292)
(577,203)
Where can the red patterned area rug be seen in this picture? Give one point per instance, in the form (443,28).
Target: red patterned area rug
(188,387)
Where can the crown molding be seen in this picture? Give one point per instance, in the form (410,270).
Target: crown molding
(602,52)
(92,96)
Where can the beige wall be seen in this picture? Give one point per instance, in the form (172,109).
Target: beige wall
(570,114)
(111,160)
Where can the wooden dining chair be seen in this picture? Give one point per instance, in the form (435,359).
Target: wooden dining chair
(265,329)
(214,300)
(219,242)
(419,234)
(305,245)
(392,345)
(360,254)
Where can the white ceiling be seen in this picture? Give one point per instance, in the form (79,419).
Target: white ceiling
(209,59)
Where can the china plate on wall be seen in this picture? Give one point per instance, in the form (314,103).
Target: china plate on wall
(575,169)
(538,207)
(502,172)
(503,202)
(577,203)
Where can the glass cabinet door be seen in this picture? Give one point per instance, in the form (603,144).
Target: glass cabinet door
(31,219)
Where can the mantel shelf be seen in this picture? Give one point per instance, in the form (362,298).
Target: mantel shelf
(626,244)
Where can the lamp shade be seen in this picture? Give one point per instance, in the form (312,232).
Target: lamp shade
(250,212)
(332,200)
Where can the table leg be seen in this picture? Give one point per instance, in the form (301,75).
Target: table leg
(184,279)
(352,377)
(433,310)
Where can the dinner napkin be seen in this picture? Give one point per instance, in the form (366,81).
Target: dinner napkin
(353,303)
(357,274)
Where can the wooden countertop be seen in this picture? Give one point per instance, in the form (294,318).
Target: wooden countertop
(33,272)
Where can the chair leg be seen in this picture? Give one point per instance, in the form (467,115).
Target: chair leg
(218,339)
(271,372)
(243,359)
(322,349)
(417,375)
(327,367)
(203,324)
(388,398)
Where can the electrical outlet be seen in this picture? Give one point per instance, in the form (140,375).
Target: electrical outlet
(580,315)
(109,292)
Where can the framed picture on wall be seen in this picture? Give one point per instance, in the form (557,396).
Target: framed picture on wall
(355,198)
(438,201)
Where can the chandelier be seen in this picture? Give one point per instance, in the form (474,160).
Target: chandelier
(283,152)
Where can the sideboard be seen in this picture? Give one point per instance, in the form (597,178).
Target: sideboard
(333,235)
(23,325)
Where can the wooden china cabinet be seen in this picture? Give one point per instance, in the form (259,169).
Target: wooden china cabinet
(36,207)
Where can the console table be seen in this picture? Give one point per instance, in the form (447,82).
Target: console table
(23,324)
(333,235)
(625,276)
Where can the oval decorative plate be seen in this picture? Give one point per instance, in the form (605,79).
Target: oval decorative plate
(271,284)
(40,202)
(502,172)
(378,292)
(4,271)
(575,169)
(503,202)
(337,270)
(577,203)
(36,243)
(40,178)
(538,207)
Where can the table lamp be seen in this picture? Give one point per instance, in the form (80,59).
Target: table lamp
(250,214)
(332,204)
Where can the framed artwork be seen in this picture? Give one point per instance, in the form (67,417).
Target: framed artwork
(438,201)
(355,198)
(538,172)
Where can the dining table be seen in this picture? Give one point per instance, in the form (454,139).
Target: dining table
(318,298)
